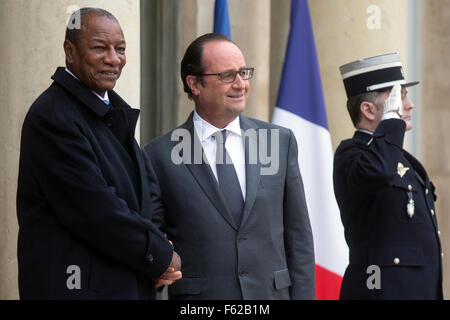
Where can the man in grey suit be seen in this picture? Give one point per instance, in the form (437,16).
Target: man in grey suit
(227,189)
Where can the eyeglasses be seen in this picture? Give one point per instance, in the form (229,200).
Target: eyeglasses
(230,75)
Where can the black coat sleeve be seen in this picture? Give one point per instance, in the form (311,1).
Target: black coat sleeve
(369,167)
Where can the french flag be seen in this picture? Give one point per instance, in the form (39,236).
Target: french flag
(221,18)
(301,107)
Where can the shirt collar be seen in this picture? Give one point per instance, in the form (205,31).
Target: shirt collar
(205,130)
(104,98)
(365,131)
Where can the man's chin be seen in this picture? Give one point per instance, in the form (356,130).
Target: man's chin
(408,122)
(409,125)
(238,108)
(101,89)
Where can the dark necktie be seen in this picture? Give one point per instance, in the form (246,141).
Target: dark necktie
(228,179)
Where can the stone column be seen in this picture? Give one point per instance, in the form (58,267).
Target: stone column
(434,147)
(344,31)
(32,35)
(351,31)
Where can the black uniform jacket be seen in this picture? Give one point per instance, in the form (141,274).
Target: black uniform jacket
(84,225)
(375,181)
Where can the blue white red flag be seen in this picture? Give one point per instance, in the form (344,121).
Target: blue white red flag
(301,107)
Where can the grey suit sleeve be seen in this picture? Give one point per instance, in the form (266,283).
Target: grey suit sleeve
(155,193)
(298,235)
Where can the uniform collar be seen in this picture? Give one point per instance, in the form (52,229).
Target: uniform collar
(363,135)
(365,131)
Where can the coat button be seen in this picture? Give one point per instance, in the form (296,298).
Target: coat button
(150,258)
(396,261)
(109,121)
(439,233)
(432,212)
(409,187)
(426,191)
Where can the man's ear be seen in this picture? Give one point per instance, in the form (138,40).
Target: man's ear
(368,110)
(69,49)
(194,84)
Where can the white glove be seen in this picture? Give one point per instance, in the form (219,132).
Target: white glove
(394,102)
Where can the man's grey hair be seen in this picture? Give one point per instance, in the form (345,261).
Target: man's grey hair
(354,104)
(73,29)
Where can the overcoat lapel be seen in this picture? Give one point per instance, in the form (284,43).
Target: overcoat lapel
(80,92)
(89,100)
(130,120)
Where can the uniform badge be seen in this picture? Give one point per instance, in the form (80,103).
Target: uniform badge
(401,170)
(410,207)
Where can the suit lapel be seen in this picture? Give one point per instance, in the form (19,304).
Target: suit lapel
(252,170)
(204,176)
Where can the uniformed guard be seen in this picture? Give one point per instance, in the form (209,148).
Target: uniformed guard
(384,194)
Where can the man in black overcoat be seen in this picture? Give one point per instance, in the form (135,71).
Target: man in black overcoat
(85,229)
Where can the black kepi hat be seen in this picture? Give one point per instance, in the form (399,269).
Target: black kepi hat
(373,74)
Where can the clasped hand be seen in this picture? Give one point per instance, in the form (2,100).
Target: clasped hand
(172,274)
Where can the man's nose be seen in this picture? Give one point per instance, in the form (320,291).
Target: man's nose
(112,57)
(408,104)
(239,82)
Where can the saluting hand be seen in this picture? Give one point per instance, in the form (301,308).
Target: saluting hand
(394,102)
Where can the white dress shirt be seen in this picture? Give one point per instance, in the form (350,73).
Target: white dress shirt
(234,145)
(105,97)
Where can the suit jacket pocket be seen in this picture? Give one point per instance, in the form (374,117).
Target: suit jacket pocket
(397,256)
(282,279)
(187,285)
